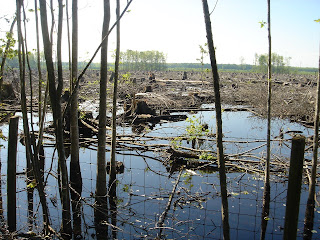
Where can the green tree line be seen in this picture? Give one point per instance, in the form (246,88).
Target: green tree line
(237,68)
(130,61)
(155,60)
(143,60)
(279,64)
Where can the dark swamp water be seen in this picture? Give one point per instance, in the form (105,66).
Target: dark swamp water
(145,186)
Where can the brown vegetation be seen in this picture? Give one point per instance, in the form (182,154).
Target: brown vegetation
(293,95)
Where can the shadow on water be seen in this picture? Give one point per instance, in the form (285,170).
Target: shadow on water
(265,209)
(75,193)
(113,203)
(158,194)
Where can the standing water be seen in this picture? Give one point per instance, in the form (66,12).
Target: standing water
(154,183)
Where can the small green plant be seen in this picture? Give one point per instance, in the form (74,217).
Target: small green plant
(196,129)
(176,142)
(262,24)
(125,188)
(207,156)
(33,184)
(95,82)
(119,201)
(203,52)
(147,129)
(126,77)
(3,44)
(82,114)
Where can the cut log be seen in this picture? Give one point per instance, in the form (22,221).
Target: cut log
(183,154)
(143,118)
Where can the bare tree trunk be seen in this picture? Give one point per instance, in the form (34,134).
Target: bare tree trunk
(101,185)
(30,176)
(75,171)
(69,44)
(220,154)
(52,20)
(31,158)
(59,48)
(266,192)
(112,175)
(55,97)
(97,50)
(38,60)
(309,215)
(41,110)
(114,106)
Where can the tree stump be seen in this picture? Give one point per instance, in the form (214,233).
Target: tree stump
(7,92)
(185,76)
(147,89)
(152,76)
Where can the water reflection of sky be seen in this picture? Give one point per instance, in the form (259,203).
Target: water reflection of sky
(144,187)
(238,126)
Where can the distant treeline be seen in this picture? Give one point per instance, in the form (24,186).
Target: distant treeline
(143,60)
(130,61)
(235,68)
(156,66)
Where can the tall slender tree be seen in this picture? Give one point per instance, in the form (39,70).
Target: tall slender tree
(32,157)
(42,106)
(38,60)
(75,171)
(30,176)
(55,97)
(112,174)
(220,154)
(101,184)
(96,52)
(266,192)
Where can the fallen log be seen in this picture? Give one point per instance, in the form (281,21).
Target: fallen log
(93,129)
(143,118)
(176,153)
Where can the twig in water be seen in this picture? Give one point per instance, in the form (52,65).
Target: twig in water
(159,224)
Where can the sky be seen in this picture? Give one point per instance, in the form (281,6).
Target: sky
(176,27)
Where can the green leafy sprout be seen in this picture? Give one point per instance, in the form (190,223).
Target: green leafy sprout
(262,24)
(195,129)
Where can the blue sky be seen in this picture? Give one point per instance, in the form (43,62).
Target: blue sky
(177,28)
